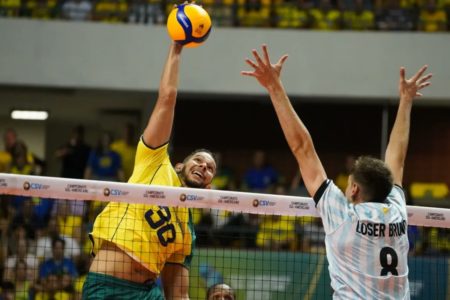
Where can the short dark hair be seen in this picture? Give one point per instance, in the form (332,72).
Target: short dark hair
(374,178)
(201,150)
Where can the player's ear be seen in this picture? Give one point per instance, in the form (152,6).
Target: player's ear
(355,190)
(179,167)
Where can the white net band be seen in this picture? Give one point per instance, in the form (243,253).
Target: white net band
(79,189)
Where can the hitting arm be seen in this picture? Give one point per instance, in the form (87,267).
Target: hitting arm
(160,124)
(296,133)
(398,141)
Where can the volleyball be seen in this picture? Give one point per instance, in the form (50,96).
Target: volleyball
(189,25)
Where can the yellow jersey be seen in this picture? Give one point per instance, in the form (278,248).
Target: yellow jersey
(150,234)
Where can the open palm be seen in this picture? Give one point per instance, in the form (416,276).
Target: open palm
(410,88)
(264,71)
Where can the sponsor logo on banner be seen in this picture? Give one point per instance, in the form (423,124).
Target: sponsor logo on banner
(114,192)
(34,186)
(190,197)
(154,194)
(299,205)
(76,188)
(3,183)
(435,216)
(262,202)
(228,200)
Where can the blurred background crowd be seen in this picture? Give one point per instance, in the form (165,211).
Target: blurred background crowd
(383,15)
(44,246)
(45,251)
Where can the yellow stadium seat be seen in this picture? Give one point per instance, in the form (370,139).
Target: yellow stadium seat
(436,190)
(114,11)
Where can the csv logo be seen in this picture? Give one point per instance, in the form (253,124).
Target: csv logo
(117,192)
(34,186)
(261,202)
(114,192)
(264,203)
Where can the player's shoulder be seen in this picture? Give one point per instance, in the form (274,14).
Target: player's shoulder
(328,189)
(396,195)
(146,152)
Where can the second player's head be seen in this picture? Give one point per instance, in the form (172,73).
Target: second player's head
(221,291)
(198,169)
(370,180)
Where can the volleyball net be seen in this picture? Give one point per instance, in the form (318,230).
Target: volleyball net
(265,246)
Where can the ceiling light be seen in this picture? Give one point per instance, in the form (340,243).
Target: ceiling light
(29,115)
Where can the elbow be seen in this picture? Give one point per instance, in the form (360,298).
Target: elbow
(167,94)
(302,146)
(302,150)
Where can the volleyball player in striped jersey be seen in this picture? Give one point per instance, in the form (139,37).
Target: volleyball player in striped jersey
(366,228)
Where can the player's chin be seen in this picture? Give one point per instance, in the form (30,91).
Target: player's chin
(192,183)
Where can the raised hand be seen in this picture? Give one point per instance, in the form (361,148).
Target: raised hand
(265,72)
(409,88)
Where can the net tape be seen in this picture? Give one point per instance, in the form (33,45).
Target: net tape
(255,203)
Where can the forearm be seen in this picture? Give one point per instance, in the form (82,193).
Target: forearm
(299,139)
(159,127)
(295,131)
(169,78)
(399,139)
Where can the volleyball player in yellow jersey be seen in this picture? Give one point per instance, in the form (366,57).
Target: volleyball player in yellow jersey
(133,244)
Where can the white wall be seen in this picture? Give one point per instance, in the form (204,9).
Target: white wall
(130,57)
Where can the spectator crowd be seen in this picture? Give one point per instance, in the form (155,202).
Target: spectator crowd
(382,15)
(45,250)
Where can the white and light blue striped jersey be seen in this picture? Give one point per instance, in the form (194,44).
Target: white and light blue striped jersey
(366,244)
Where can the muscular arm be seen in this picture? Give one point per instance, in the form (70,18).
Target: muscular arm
(398,141)
(296,133)
(160,124)
(299,140)
(175,280)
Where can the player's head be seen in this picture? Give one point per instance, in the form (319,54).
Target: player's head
(198,169)
(370,180)
(220,291)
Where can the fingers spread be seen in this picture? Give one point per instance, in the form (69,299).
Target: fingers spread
(257,57)
(251,63)
(266,54)
(282,60)
(424,78)
(422,85)
(419,73)
(248,73)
